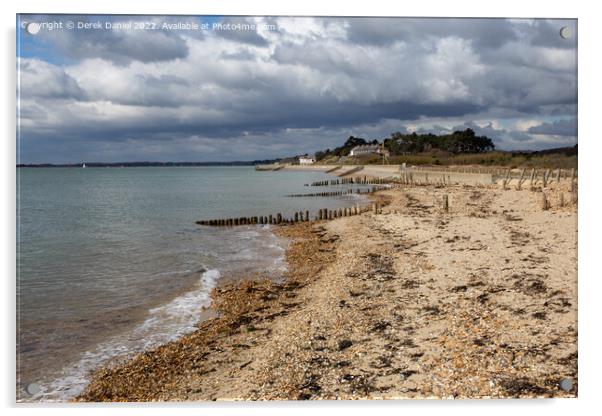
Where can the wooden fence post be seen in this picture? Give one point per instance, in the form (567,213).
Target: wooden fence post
(545,204)
(520,181)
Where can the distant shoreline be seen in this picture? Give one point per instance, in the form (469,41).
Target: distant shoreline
(137,164)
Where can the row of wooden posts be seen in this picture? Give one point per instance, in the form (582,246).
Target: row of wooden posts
(547,204)
(350,181)
(407,178)
(564,173)
(351,171)
(300,216)
(546,177)
(340,193)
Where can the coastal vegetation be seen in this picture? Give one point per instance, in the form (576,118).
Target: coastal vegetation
(459,148)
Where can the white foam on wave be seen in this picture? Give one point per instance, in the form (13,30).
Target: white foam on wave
(174,319)
(164,323)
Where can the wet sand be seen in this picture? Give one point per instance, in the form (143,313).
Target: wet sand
(413,302)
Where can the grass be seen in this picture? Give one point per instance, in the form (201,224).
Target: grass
(503,159)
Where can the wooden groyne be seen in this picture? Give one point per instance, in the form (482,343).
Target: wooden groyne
(333,169)
(340,193)
(299,216)
(496,171)
(273,166)
(352,181)
(351,171)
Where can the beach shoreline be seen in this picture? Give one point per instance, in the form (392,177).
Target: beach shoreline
(476,301)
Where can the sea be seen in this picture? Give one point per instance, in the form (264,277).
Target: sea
(110,261)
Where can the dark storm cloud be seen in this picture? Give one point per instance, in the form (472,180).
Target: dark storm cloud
(124,47)
(565,127)
(120,46)
(547,33)
(305,85)
(47,81)
(490,33)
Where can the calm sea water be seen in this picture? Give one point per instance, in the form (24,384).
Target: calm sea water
(110,261)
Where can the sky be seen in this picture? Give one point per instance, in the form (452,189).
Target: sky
(223,88)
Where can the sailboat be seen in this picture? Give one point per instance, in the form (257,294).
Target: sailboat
(83,166)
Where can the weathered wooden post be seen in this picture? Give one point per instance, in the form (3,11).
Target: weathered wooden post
(520,181)
(533,178)
(544,179)
(306,215)
(574,196)
(446,203)
(573,180)
(278,218)
(545,204)
(558,175)
(506,179)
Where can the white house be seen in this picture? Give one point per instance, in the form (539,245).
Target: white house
(368,149)
(307,160)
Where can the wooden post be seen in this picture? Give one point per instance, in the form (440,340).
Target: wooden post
(561,199)
(278,218)
(505,180)
(306,215)
(573,181)
(545,204)
(533,178)
(558,175)
(520,181)
(446,203)
(574,196)
(544,179)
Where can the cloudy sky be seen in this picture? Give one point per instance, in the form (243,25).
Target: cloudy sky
(194,91)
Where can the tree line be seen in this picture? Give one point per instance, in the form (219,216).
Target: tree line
(461,141)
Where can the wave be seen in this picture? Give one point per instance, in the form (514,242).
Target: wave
(256,248)
(164,323)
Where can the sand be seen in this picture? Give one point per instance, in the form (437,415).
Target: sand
(413,302)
